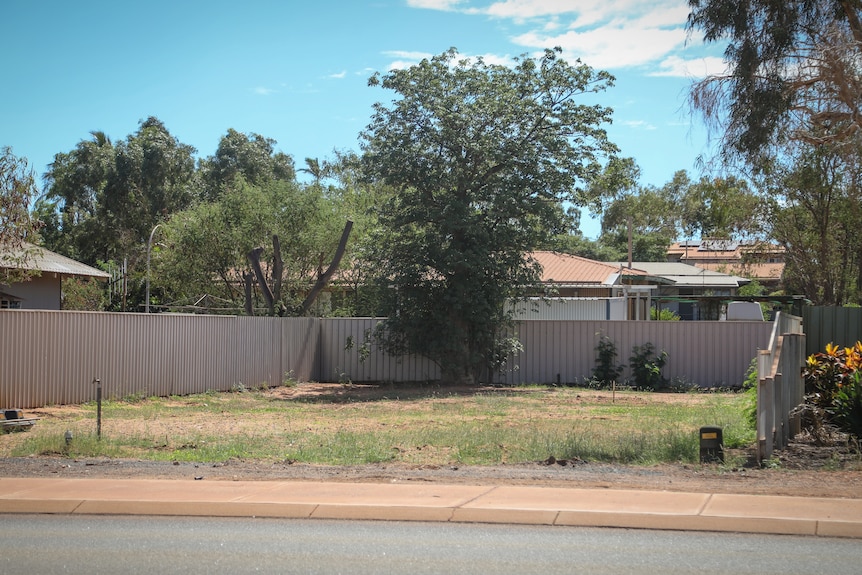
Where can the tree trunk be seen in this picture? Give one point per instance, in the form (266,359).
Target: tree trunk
(254,258)
(277,268)
(327,275)
(249,308)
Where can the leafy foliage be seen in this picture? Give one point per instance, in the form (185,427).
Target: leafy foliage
(482,158)
(793,72)
(607,370)
(18,227)
(817,220)
(833,383)
(205,247)
(647,365)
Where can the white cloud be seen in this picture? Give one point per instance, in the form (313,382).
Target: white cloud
(638,124)
(406,59)
(606,34)
(408,55)
(610,47)
(338,75)
(691,68)
(434,4)
(263,91)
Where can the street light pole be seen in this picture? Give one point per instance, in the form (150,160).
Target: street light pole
(149,248)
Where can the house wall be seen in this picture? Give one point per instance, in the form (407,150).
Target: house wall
(571,309)
(42,292)
(52,357)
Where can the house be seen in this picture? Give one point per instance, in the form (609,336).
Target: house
(692,292)
(43,289)
(754,259)
(581,288)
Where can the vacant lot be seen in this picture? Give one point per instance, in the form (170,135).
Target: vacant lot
(352,432)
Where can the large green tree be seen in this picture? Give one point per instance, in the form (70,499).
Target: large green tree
(251,156)
(793,72)
(482,158)
(790,108)
(111,196)
(18,226)
(817,219)
(202,256)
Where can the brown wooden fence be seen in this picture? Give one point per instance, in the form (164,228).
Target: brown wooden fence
(50,357)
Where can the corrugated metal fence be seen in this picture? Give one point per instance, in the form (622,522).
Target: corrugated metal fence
(50,357)
(825,324)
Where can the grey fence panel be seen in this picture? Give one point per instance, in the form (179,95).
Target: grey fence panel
(341,360)
(709,354)
(824,324)
(50,357)
(299,348)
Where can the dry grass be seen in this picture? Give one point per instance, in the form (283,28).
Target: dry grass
(424,425)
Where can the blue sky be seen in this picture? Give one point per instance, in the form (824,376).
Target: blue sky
(297,71)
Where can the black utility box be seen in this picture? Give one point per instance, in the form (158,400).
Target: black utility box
(711,445)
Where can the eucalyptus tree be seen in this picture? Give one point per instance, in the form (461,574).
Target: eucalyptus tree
(18,227)
(793,74)
(817,220)
(75,186)
(790,108)
(112,195)
(202,259)
(481,158)
(251,156)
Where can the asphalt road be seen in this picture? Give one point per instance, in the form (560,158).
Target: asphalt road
(48,544)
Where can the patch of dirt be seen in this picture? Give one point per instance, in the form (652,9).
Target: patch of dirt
(822,466)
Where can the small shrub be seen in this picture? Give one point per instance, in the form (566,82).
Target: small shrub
(647,366)
(289,379)
(606,370)
(833,383)
(749,388)
(663,315)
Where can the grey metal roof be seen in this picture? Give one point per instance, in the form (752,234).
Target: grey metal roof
(47,261)
(685,275)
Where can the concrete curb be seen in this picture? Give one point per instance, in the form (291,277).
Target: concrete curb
(433,502)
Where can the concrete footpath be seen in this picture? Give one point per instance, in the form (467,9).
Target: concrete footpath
(434,502)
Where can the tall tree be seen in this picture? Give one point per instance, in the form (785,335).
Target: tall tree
(482,158)
(721,207)
(18,227)
(206,246)
(793,74)
(817,221)
(251,156)
(75,186)
(112,196)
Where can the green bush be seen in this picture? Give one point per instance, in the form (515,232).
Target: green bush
(833,383)
(606,371)
(647,366)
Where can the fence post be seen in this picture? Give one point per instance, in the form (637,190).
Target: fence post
(765,417)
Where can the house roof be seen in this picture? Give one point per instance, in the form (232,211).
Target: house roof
(558,268)
(722,249)
(686,275)
(46,261)
(755,259)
